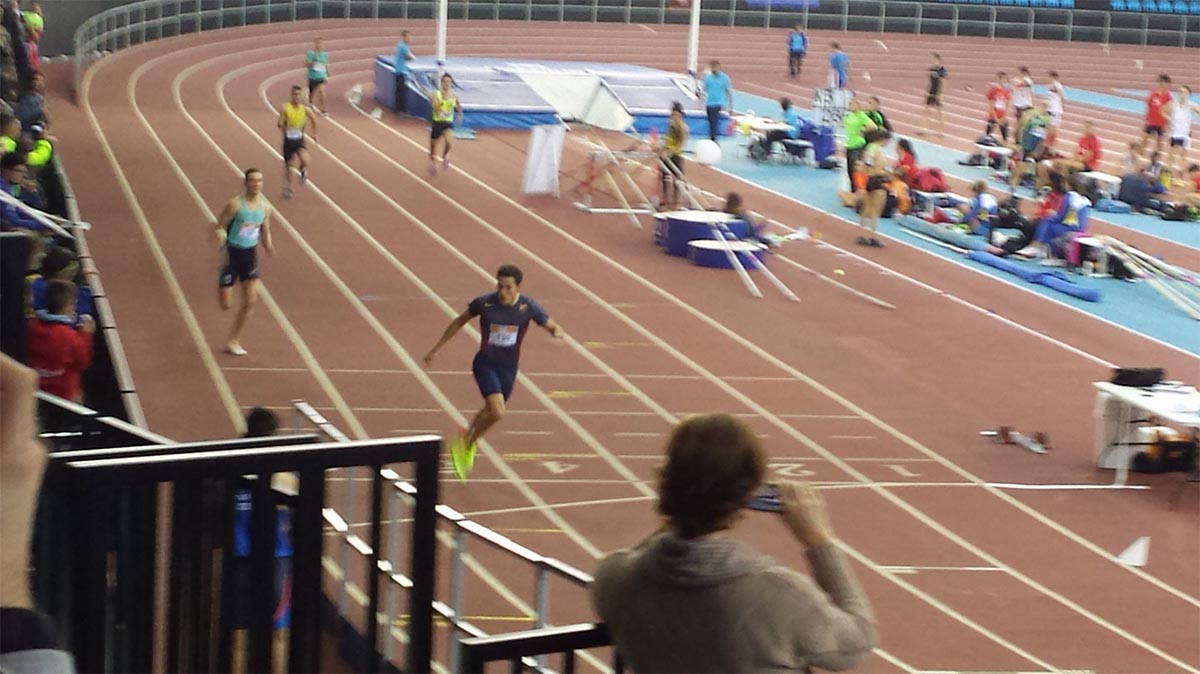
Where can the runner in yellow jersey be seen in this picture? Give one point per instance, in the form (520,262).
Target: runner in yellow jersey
(445,109)
(293,117)
(671,158)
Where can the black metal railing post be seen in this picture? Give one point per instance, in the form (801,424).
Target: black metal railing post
(307,523)
(424,567)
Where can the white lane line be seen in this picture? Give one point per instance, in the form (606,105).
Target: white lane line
(645,27)
(289,330)
(580,349)
(696,367)
(918,569)
(397,349)
(754,348)
(235,368)
(160,259)
(1058,342)
(1068,487)
(529,432)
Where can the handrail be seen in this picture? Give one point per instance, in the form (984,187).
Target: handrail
(103,499)
(139,22)
(516,647)
(544,567)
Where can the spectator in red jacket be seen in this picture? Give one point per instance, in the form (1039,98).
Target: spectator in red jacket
(57,350)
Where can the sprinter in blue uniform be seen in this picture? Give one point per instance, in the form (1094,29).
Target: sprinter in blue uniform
(504,317)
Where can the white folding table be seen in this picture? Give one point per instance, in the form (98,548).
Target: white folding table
(1120,408)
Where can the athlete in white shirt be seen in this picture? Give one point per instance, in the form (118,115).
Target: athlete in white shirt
(1055,94)
(1022,94)
(1180,121)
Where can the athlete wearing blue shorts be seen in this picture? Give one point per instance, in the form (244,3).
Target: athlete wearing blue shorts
(504,317)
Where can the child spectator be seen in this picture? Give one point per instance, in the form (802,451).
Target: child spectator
(998,96)
(57,350)
(58,264)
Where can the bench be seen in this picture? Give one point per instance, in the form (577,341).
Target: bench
(1107,183)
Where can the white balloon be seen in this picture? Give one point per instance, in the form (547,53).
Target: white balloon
(708,152)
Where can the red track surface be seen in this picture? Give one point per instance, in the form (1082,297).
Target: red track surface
(881,407)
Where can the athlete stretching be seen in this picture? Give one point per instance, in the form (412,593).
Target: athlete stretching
(293,117)
(243,222)
(504,317)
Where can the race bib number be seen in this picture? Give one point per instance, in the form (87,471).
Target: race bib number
(294,134)
(318,68)
(503,335)
(999,104)
(249,232)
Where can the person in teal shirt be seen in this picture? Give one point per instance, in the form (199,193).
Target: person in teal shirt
(718,93)
(400,65)
(857,123)
(317,62)
(244,223)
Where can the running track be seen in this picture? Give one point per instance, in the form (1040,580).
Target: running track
(882,408)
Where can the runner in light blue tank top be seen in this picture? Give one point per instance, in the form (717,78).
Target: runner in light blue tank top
(246,225)
(316,60)
(239,229)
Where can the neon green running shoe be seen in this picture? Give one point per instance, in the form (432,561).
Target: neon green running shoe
(462,457)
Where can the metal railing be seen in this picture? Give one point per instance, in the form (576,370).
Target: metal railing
(140,22)
(106,323)
(518,647)
(462,529)
(101,555)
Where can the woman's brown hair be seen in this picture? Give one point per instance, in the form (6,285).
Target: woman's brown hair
(714,463)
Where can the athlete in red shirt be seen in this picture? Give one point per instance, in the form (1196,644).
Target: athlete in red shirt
(1157,113)
(1086,158)
(998,97)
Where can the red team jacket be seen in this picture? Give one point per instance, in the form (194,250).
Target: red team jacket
(59,353)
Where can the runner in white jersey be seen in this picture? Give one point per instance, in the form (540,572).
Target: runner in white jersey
(1181,129)
(1022,94)
(1055,94)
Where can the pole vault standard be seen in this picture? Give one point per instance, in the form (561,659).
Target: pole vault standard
(693,40)
(443,14)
